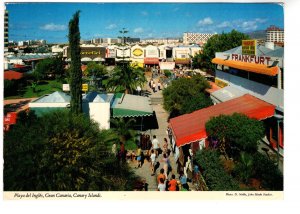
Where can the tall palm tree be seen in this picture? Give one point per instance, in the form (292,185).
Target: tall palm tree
(126,78)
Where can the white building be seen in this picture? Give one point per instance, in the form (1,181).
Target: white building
(275,34)
(196,38)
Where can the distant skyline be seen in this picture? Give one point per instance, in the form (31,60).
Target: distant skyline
(49,21)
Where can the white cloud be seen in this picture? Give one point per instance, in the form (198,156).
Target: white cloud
(53,27)
(224,24)
(259,20)
(205,21)
(111,26)
(138,30)
(249,25)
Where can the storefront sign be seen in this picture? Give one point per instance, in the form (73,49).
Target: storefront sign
(137,52)
(251,59)
(249,47)
(91,52)
(221,83)
(10,118)
(85,87)
(167,65)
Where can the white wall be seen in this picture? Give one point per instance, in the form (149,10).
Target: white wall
(100,112)
(47,105)
(267,93)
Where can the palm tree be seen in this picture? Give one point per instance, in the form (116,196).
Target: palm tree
(123,128)
(126,78)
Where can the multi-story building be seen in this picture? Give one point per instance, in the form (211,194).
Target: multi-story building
(160,41)
(275,34)
(196,38)
(6,31)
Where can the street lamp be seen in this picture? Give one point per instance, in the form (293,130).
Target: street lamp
(279,119)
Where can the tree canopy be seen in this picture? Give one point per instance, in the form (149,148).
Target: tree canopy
(61,152)
(218,43)
(126,78)
(75,68)
(95,69)
(186,95)
(49,67)
(237,132)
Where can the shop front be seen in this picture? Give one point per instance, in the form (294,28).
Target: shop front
(188,131)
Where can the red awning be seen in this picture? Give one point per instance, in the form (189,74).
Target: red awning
(151,61)
(10,75)
(189,128)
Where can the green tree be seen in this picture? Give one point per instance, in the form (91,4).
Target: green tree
(244,167)
(235,133)
(61,152)
(75,68)
(218,43)
(126,78)
(124,128)
(186,95)
(49,67)
(95,69)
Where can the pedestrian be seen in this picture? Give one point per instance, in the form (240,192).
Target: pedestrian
(183,180)
(173,184)
(155,145)
(153,161)
(153,87)
(166,165)
(161,176)
(139,156)
(139,89)
(161,185)
(165,146)
(196,173)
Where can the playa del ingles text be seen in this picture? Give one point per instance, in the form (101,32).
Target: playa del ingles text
(49,195)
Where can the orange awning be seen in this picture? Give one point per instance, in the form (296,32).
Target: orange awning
(251,67)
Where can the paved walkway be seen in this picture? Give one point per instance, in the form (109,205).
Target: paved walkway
(162,116)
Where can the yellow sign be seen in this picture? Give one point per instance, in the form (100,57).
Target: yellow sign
(137,52)
(249,47)
(85,87)
(220,83)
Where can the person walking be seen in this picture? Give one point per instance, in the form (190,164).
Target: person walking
(161,176)
(166,165)
(155,145)
(153,161)
(183,180)
(153,87)
(139,156)
(159,85)
(161,185)
(172,184)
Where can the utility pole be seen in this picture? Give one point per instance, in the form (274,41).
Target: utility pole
(123,32)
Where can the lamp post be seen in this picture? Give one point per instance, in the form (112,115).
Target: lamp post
(279,119)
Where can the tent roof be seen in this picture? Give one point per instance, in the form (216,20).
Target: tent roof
(228,93)
(189,128)
(55,97)
(128,105)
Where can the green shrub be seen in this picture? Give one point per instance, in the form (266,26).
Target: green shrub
(167,73)
(214,173)
(268,172)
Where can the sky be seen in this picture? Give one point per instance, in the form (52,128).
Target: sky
(49,21)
